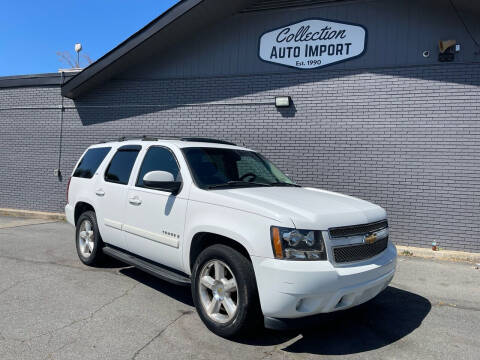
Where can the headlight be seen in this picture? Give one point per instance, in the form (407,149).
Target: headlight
(294,244)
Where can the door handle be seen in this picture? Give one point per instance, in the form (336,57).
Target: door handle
(134,200)
(99,192)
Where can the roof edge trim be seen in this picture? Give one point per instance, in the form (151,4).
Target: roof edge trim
(71,88)
(33,80)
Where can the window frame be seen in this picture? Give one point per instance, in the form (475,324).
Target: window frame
(143,160)
(120,149)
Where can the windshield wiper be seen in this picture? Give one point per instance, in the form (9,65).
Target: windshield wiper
(279,183)
(234,183)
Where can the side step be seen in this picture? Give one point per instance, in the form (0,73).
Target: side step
(147,266)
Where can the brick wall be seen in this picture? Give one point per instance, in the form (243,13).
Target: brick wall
(29,136)
(407,138)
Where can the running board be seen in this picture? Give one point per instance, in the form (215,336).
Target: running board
(147,266)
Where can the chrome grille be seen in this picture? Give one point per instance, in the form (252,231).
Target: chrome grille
(346,231)
(359,252)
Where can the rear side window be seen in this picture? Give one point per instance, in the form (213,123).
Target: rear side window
(158,158)
(121,165)
(90,162)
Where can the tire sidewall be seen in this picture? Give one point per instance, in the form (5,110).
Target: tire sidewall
(97,247)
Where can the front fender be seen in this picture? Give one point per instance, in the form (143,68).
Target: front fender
(250,230)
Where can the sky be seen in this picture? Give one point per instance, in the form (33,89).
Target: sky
(33,31)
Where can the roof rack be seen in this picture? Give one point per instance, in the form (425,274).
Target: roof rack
(132,137)
(207,140)
(169,137)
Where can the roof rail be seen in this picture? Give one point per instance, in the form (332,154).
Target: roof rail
(207,140)
(168,137)
(138,137)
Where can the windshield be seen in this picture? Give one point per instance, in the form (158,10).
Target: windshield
(216,168)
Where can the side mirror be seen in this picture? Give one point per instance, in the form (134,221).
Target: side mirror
(162,180)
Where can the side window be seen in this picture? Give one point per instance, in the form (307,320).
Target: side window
(121,165)
(158,159)
(90,162)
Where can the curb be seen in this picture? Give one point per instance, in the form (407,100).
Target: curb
(31,214)
(406,251)
(447,255)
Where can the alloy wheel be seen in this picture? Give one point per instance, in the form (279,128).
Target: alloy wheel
(218,291)
(86,238)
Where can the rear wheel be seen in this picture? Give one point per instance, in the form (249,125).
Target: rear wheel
(224,291)
(88,240)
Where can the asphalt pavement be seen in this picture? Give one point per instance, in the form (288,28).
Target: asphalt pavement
(54,307)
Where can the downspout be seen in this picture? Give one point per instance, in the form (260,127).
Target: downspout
(62,110)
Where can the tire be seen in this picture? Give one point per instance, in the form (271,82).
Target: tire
(89,245)
(247,315)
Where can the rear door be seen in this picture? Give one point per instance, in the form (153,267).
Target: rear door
(154,219)
(84,179)
(111,192)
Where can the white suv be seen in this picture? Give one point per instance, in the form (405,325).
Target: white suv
(252,244)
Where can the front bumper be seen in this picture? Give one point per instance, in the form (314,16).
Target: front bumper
(293,289)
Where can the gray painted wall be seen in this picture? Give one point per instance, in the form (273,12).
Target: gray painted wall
(403,137)
(398,33)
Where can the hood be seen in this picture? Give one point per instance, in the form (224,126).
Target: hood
(307,208)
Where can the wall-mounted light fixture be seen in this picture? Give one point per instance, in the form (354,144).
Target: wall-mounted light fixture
(447,50)
(282,101)
(444,45)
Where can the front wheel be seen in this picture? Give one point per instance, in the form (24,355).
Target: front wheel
(224,291)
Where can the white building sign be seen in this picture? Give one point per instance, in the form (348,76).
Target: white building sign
(313,43)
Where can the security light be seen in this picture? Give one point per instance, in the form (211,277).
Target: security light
(282,101)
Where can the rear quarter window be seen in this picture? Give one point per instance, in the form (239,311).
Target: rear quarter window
(90,162)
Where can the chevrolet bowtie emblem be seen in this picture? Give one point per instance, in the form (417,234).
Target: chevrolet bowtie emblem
(370,239)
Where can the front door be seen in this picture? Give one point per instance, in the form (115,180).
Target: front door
(154,219)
